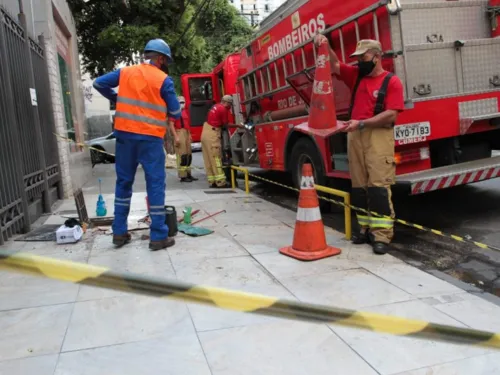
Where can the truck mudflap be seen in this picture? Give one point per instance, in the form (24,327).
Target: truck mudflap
(452,175)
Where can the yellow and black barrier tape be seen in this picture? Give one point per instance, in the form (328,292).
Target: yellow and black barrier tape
(69,140)
(85,274)
(396,220)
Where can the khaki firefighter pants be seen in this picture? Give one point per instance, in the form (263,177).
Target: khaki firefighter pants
(373,171)
(212,154)
(184,153)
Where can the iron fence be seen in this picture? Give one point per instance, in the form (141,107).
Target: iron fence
(29,160)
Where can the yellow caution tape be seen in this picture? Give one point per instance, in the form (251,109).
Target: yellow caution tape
(404,222)
(400,221)
(82,273)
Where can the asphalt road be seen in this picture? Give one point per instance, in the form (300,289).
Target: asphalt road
(471,211)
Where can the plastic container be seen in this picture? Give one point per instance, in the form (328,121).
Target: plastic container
(171,220)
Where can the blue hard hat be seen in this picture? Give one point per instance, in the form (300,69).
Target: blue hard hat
(160,46)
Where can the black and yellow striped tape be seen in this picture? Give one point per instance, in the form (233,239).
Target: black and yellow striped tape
(403,222)
(354,208)
(86,274)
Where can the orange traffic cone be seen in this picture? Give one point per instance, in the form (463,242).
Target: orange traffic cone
(322,120)
(309,241)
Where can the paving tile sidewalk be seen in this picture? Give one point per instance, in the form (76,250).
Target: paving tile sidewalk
(48,327)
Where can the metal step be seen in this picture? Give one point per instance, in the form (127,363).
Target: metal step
(451,175)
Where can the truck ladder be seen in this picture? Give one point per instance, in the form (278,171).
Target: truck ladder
(264,89)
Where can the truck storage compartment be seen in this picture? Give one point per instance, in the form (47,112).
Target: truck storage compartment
(446,69)
(444,21)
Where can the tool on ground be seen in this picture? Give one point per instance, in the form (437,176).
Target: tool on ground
(192,214)
(208,217)
(191,230)
(87,274)
(309,240)
(101,204)
(187,215)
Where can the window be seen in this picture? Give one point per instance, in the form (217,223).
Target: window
(266,7)
(200,89)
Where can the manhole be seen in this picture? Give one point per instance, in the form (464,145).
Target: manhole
(67,213)
(42,233)
(219,192)
(101,222)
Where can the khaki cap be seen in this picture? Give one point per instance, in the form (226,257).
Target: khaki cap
(365,45)
(227,99)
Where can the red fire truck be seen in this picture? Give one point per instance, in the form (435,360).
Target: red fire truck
(446,53)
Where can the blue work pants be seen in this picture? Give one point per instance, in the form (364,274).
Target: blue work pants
(129,154)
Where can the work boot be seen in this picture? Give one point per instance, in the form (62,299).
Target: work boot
(380,248)
(120,240)
(160,245)
(186,179)
(213,186)
(361,238)
(192,178)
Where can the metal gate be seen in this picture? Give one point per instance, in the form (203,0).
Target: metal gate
(30,178)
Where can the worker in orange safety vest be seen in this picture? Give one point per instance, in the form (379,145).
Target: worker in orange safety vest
(146,96)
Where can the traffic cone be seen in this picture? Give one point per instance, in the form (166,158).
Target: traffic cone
(309,241)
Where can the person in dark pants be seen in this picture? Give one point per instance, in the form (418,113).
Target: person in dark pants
(146,96)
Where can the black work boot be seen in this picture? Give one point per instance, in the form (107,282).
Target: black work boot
(361,238)
(120,240)
(192,178)
(160,245)
(186,179)
(380,248)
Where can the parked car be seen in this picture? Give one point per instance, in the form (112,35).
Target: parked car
(107,144)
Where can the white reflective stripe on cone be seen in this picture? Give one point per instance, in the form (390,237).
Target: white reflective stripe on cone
(307,182)
(308,214)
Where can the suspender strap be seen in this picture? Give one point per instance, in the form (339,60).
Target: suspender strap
(353,95)
(382,92)
(182,123)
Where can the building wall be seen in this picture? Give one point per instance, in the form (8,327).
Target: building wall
(53,19)
(97,110)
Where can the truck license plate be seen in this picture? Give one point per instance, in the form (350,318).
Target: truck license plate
(411,131)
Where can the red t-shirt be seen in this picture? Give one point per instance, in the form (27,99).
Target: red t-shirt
(218,116)
(183,121)
(366,95)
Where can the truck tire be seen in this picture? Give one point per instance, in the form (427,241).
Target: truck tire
(305,151)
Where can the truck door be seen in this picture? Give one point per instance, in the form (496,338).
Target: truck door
(198,90)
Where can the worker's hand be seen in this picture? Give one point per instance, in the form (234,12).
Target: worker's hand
(177,141)
(319,39)
(351,126)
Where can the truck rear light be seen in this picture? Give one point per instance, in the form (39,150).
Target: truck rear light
(415,154)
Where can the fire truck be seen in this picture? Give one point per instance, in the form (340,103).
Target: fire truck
(446,53)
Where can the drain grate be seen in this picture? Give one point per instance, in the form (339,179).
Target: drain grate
(219,192)
(42,233)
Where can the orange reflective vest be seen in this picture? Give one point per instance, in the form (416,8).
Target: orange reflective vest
(140,108)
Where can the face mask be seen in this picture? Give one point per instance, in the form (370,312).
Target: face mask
(182,105)
(366,67)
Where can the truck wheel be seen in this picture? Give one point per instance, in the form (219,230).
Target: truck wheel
(303,152)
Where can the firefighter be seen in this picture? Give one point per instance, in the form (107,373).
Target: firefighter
(211,141)
(183,149)
(376,100)
(145,97)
